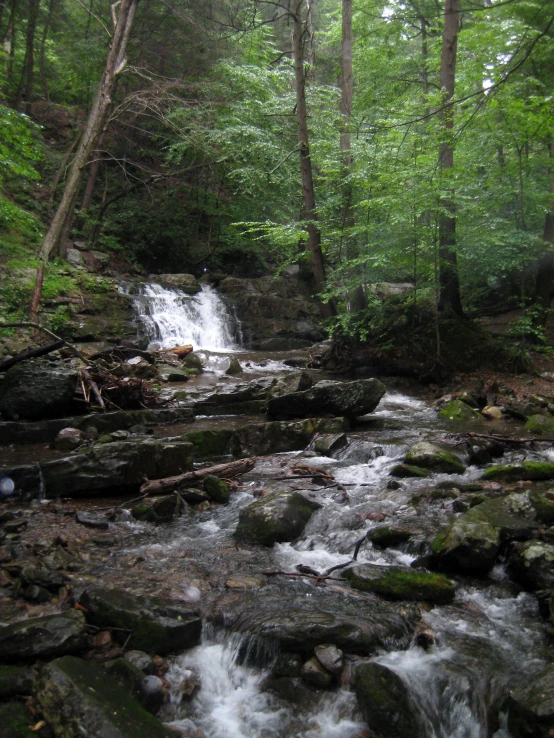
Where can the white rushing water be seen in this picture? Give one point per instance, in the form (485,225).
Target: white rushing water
(173,318)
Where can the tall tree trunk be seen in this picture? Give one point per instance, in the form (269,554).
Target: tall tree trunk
(357,297)
(42,57)
(308,193)
(97,120)
(25,89)
(449,280)
(545,269)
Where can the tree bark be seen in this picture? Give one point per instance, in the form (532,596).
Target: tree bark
(97,120)
(25,89)
(545,269)
(308,192)
(449,298)
(232,469)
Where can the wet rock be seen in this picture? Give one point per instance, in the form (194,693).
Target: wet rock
(492,412)
(216,489)
(540,425)
(172,374)
(355,622)
(16,721)
(279,517)
(245,582)
(531,707)
(473,541)
(35,593)
(121,465)
(44,577)
(151,693)
(459,410)
(41,638)
(73,693)
(158,625)
(281,436)
(405,471)
(287,665)
(159,509)
(293,690)
(15,680)
(428,456)
(208,444)
(234,367)
(330,657)
(92,520)
(326,445)
(190,685)
(385,703)
(399,583)
(314,673)
(543,504)
(193,361)
(388,535)
(237,397)
(185,282)
(348,399)
(37,389)
(531,563)
(528,471)
(192,495)
(68,439)
(140,660)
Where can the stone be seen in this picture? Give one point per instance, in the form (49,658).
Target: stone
(193,361)
(140,659)
(401,583)
(158,625)
(348,399)
(68,439)
(72,693)
(92,520)
(16,721)
(540,425)
(258,439)
(328,444)
(492,412)
(151,693)
(287,665)
(385,703)
(159,509)
(278,517)
(37,389)
(74,257)
(172,374)
(15,680)
(428,456)
(473,540)
(531,706)
(314,673)
(207,444)
(185,282)
(388,535)
(330,657)
(193,496)
(216,489)
(43,638)
(543,504)
(531,563)
(234,367)
(528,471)
(405,471)
(458,410)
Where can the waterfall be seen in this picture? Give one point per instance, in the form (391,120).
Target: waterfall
(173,318)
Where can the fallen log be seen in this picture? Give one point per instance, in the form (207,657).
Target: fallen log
(31,354)
(229,470)
(182,351)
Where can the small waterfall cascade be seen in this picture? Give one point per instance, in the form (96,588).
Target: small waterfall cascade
(173,318)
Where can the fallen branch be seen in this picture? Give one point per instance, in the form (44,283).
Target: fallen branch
(38,327)
(31,354)
(323,577)
(232,469)
(88,380)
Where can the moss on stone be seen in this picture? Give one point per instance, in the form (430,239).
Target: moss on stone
(397,583)
(15,680)
(216,488)
(209,443)
(15,721)
(540,425)
(528,471)
(543,503)
(407,470)
(459,410)
(434,458)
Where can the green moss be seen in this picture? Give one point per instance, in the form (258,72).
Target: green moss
(216,488)
(543,502)
(208,443)
(15,680)
(396,583)
(540,425)
(407,470)
(15,720)
(528,471)
(459,410)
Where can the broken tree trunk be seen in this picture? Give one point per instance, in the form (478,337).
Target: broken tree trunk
(232,469)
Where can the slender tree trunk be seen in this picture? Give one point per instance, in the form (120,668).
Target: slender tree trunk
(25,89)
(97,120)
(357,297)
(308,193)
(42,57)
(545,270)
(449,281)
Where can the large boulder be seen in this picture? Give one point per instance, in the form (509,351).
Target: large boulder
(348,399)
(37,389)
(78,698)
(531,563)
(120,466)
(530,471)
(459,410)
(157,625)
(385,703)
(43,638)
(429,456)
(258,439)
(401,583)
(185,282)
(531,707)
(473,541)
(279,517)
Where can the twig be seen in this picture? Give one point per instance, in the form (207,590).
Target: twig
(323,577)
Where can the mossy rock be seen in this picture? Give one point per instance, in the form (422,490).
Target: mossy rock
(15,680)
(531,706)
(234,367)
(210,443)
(540,425)
(398,583)
(158,509)
(216,489)
(388,535)
(15,721)
(531,471)
(543,503)
(428,456)
(459,410)
(279,517)
(405,471)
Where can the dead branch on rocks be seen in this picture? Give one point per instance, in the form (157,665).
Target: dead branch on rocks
(126,393)
(31,354)
(508,440)
(229,470)
(322,578)
(38,327)
(89,382)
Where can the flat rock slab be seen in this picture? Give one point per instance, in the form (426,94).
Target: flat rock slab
(401,583)
(158,626)
(43,638)
(80,699)
(297,621)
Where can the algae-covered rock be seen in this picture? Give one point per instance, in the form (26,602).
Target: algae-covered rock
(428,456)
(209,443)
(405,471)
(531,563)
(79,698)
(473,541)
(234,367)
(388,535)
(158,625)
(540,425)
(399,583)
(216,489)
(279,517)
(543,504)
(385,703)
(531,707)
(159,509)
(42,638)
(528,471)
(459,410)
(16,721)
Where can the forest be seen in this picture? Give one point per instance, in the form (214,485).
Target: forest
(369,142)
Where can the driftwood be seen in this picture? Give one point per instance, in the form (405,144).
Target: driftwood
(31,354)
(181,351)
(232,469)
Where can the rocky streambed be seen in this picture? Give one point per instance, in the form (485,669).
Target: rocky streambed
(361,565)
